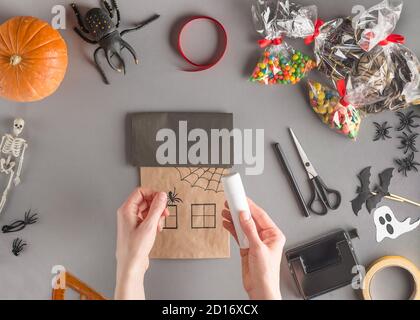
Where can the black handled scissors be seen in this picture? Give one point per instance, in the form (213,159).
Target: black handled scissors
(323,198)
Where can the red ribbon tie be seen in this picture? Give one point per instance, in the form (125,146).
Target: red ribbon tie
(318,25)
(393,38)
(263,43)
(342,91)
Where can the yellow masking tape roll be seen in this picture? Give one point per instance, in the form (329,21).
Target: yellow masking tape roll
(388,262)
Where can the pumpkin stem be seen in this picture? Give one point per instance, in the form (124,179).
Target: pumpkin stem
(15,60)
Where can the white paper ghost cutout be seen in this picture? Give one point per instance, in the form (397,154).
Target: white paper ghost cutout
(387,226)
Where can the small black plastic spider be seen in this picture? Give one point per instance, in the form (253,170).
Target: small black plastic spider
(382,131)
(407,121)
(18,246)
(173,197)
(407,164)
(19,225)
(408,142)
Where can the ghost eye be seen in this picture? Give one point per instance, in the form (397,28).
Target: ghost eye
(382,220)
(388,217)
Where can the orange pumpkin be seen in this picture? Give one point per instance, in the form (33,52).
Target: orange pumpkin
(33,59)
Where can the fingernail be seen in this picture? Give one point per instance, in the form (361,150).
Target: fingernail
(244,216)
(162,196)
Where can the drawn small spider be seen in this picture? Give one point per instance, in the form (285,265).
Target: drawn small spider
(173,197)
(407,164)
(407,121)
(18,246)
(382,131)
(408,142)
(19,225)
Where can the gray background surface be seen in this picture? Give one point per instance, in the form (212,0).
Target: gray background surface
(76,173)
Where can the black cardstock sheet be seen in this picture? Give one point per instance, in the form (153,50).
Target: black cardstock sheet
(145,125)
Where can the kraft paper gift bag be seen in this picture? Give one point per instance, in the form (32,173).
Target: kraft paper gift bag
(194,228)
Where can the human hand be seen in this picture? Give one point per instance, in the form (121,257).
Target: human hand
(139,220)
(261,262)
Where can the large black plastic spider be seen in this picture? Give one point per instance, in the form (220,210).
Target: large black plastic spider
(408,142)
(382,131)
(407,164)
(173,197)
(99,24)
(18,246)
(407,121)
(19,225)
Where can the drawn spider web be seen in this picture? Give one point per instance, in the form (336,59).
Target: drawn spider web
(203,178)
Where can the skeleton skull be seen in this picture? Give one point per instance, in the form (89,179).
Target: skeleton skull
(387,226)
(18,125)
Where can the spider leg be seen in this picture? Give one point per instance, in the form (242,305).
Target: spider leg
(107,6)
(32,219)
(14,227)
(109,54)
(141,25)
(401,117)
(81,35)
(79,18)
(124,44)
(115,6)
(27,215)
(122,62)
(98,65)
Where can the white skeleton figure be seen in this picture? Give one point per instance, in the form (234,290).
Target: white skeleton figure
(12,150)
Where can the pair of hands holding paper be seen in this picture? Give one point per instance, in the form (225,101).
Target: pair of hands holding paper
(140,218)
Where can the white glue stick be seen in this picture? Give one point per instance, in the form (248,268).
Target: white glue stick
(237,200)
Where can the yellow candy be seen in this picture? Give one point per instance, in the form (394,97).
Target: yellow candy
(311,95)
(330,109)
(322,110)
(270,62)
(320,102)
(260,74)
(317,86)
(321,96)
(262,65)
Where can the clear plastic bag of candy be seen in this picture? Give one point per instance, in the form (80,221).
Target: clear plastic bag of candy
(336,49)
(279,63)
(295,20)
(333,111)
(386,78)
(377,23)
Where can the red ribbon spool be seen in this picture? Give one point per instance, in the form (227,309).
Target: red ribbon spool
(217,58)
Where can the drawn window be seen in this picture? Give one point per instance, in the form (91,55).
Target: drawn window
(203,216)
(171,221)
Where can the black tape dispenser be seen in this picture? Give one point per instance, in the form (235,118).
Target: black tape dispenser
(325,265)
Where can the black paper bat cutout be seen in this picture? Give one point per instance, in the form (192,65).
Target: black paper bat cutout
(365,195)
(363,191)
(381,190)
